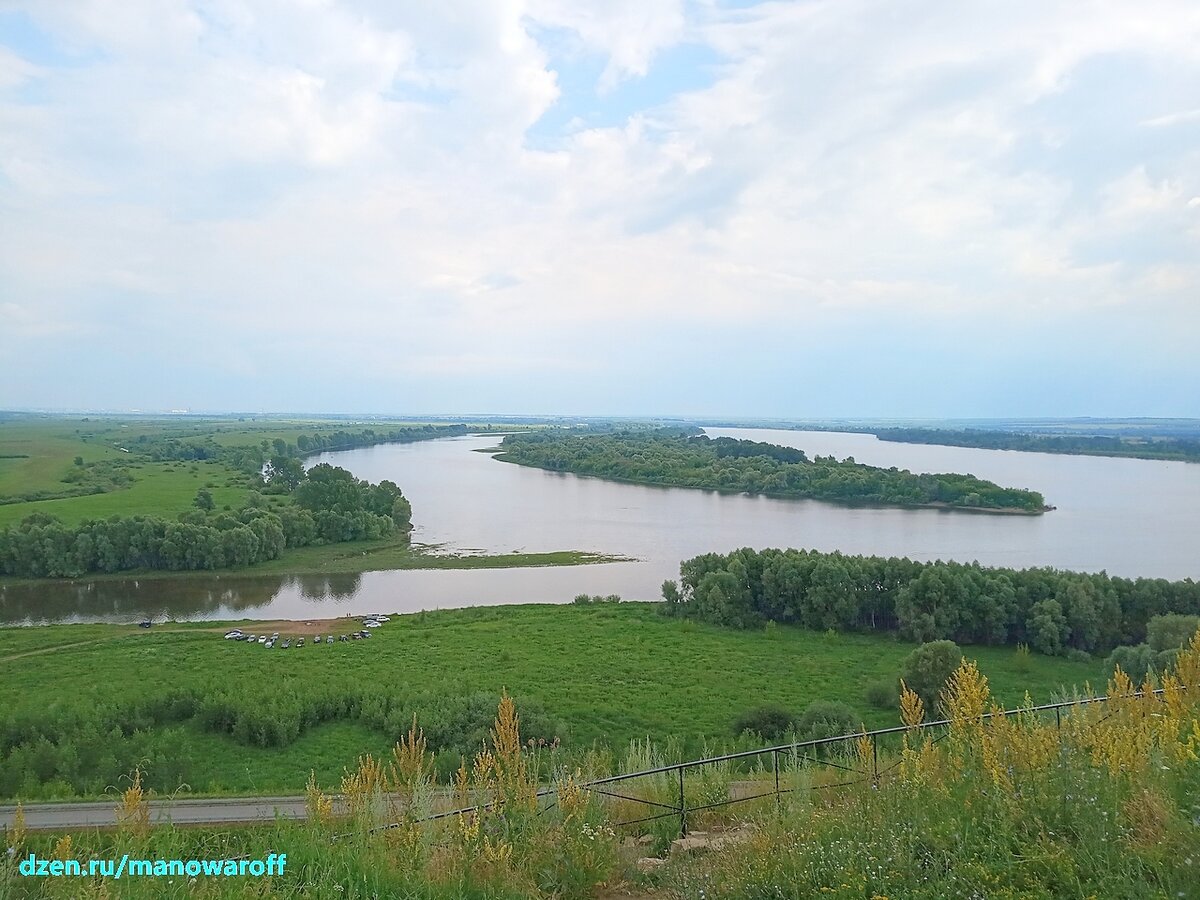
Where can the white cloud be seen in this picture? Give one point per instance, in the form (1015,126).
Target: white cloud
(363,172)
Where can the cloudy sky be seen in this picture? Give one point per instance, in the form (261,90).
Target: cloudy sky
(632,206)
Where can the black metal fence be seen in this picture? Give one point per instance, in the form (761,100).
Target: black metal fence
(797,752)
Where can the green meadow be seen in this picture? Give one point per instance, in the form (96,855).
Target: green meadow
(605,674)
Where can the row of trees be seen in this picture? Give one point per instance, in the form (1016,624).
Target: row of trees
(79,748)
(1086,444)
(679,458)
(1051,610)
(250,458)
(329,505)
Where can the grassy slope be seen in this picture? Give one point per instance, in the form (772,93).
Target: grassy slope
(611,673)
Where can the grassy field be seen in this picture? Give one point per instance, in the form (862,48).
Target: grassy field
(609,673)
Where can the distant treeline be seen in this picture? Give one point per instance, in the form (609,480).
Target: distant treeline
(85,748)
(328,505)
(680,458)
(251,457)
(1051,610)
(1091,445)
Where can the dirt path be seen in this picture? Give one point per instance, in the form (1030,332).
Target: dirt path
(285,627)
(41,650)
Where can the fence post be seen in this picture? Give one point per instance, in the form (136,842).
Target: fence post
(775,764)
(682,807)
(1058,717)
(875,761)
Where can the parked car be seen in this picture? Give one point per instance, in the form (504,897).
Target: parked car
(263,639)
(145,624)
(372,624)
(342,638)
(329,640)
(234,635)
(365,634)
(286,644)
(300,642)
(317,640)
(269,644)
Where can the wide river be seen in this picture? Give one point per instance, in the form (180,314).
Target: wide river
(1126,516)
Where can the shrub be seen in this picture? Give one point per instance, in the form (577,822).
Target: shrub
(1170,632)
(884,694)
(826,719)
(926,669)
(769,722)
(1136,661)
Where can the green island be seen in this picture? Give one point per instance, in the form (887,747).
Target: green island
(684,457)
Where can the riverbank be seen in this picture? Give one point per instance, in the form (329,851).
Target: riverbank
(357,557)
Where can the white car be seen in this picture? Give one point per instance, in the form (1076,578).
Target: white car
(230,635)
(372,624)
(263,639)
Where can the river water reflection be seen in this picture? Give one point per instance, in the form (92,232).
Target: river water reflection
(1130,517)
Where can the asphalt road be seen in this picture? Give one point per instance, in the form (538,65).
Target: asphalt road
(48,816)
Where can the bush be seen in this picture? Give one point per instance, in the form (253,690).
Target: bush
(926,669)
(1170,632)
(884,694)
(768,722)
(1136,662)
(826,719)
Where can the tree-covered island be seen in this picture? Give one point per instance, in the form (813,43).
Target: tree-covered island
(685,458)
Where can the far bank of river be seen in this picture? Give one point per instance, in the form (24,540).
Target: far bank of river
(1129,517)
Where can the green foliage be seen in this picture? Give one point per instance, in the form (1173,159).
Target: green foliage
(1137,661)
(228,717)
(1052,610)
(926,669)
(331,507)
(1170,632)
(884,694)
(825,719)
(768,722)
(1047,627)
(1159,447)
(681,458)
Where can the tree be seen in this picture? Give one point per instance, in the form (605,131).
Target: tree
(926,669)
(1136,662)
(286,471)
(1047,627)
(826,719)
(204,500)
(1170,632)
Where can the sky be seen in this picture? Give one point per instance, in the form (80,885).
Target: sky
(876,208)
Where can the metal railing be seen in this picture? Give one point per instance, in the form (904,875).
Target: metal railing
(799,751)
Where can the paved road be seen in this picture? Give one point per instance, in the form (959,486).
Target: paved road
(181,812)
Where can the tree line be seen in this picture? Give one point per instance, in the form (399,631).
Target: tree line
(1084,444)
(327,505)
(252,457)
(681,458)
(1051,610)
